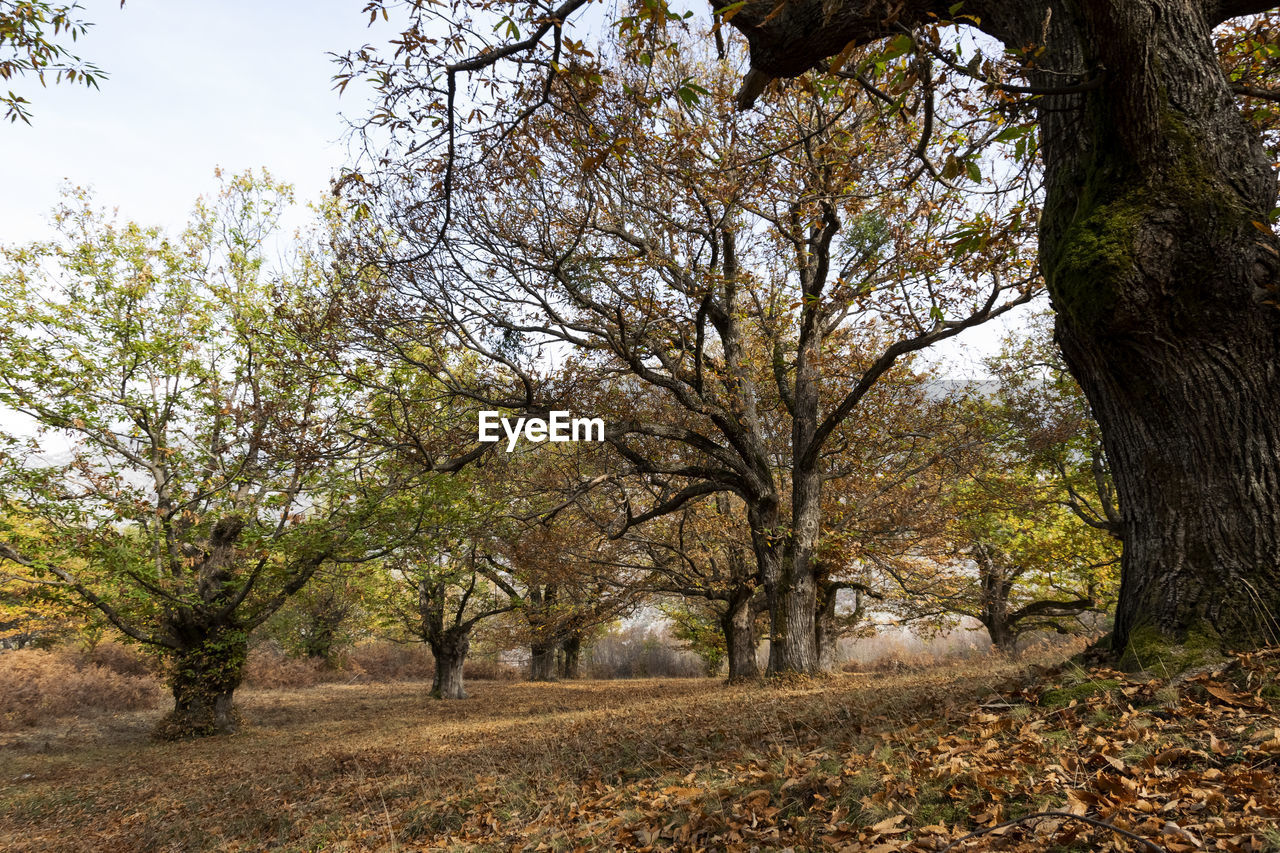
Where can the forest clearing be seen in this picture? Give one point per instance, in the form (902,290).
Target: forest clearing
(868,762)
(768,425)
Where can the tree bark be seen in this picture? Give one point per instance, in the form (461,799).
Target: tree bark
(571,649)
(738,625)
(542,662)
(450,652)
(827,634)
(793,646)
(996,586)
(203,676)
(1164,277)
(1163,273)
(789,587)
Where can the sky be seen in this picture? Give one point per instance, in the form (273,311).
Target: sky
(192,85)
(196,85)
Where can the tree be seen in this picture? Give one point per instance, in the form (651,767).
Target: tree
(191,471)
(698,627)
(1156,240)
(752,275)
(328,615)
(1023,535)
(446,580)
(703,554)
(1158,251)
(32,41)
(574,578)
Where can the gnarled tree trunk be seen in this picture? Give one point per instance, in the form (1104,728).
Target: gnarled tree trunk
(203,676)
(996,585)
(571,654)
(1164,278)
(542,661)
(450,653)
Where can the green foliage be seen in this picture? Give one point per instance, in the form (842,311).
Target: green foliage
(191,464)
(330,614)
(1029,536)
(33,36)
(699,629)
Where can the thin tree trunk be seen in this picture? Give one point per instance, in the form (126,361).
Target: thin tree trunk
(450,652)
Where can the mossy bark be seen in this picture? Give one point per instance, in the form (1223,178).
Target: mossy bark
(825,627)
(203,678)
(1161,268)
(1147,649)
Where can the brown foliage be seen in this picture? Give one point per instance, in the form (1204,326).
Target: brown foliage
(36,685)
(908,762)
(375,662)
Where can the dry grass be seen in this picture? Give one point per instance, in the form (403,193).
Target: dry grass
(71,686)
(37,685)
(356,766)
(363,664)
(875,762)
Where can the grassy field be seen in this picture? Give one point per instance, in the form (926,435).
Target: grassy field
(859,762)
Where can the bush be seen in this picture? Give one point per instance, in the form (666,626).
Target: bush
(385,661)
(489,670)
(37,685)
(641,651)
(123,660)
(269,667)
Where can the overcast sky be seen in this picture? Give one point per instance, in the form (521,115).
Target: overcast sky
(195,85)
(192,85)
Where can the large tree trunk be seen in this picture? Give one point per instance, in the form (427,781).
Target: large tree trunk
(542,662)
(738,625)
(571,651)
(450,653)
(788,583)
(1163,273)
(794,643)
(1164,279)
(203,677)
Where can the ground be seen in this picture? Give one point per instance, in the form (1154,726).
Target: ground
(904,761)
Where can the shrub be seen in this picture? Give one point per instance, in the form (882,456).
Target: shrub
(269,667)
(37,685)
(641,651)
(487,669)
(386,661)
